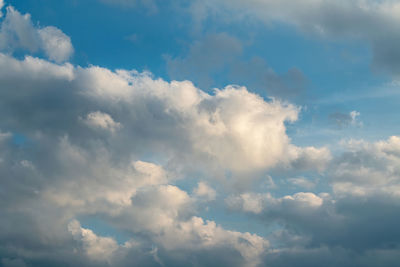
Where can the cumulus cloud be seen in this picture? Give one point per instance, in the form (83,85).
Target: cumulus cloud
(56,44)
(233,128)
(65,169)
(368,169)
(66,166)
(17,32)
(364,180)
(97,248)
(59,164)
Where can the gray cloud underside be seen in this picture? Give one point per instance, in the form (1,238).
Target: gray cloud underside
(72,140)
(85,130)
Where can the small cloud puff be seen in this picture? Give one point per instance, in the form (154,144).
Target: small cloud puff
(204,191)
(102,120)
(18,33)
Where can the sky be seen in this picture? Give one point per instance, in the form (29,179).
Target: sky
(199,133)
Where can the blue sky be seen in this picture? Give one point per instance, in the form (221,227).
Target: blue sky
(199,133)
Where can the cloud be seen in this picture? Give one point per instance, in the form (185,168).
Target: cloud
(368,169)
(221,55)
(311,227)
(343,120)
(258,203)
(65,169)
(56,44)
(97,248)
(102,120)
(205,58)
(310,158)
(66,166)
(18,33)
(204,191)
(1,7)
(375,22)
(372,21)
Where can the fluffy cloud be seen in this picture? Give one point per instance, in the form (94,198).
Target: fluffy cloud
(365,182)
(50,193)
(204,191)
(368,169)
(102,120)
(97,248)
(112,146)
(56,44)
(257,203)
(18,33)
(64,166)
(59,162)
(233,128)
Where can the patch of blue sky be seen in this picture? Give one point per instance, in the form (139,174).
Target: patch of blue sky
(19,139)
(102,228)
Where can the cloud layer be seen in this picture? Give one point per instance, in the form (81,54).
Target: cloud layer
(86,148)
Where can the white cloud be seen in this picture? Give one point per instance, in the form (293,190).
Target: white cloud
(1,7)
(306,158)
(247,202)
(306,199)
(203,190)
(18,33)
(102,120)
(74,171)
(368,169)
(96,247)
(233,128)
(353,115)
(68,170)
(56,44)
(265,203)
